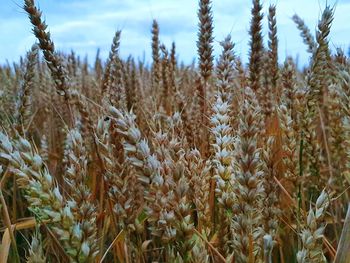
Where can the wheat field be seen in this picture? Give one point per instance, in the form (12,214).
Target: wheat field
(216,161)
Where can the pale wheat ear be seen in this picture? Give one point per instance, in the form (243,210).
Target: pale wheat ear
(205,39)
(266,92)
(81,202)
(272,211)
(173,68)
(36,251)
(205,49)
(156,69)
(256,46)
(318,81)
(43,196)
(273,52)
(223,141)
(24,110)
(248,183)
(52,59)
(47,46)
(111,65)
(305,33)
(312,234)
(136,148)
(166,91)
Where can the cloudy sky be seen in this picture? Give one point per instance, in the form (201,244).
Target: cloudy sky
(85,25)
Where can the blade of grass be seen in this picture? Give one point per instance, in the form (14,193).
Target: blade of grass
(343,251)
(211,246)
(7,221)
(119,237)
(5,246)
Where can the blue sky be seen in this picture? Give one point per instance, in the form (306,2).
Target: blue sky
(85,25)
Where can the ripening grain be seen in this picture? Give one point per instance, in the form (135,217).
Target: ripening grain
(214,162)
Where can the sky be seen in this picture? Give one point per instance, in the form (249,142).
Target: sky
(86,25)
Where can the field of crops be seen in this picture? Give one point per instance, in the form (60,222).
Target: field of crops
(217,161)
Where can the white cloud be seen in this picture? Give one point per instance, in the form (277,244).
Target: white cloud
(85,25)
